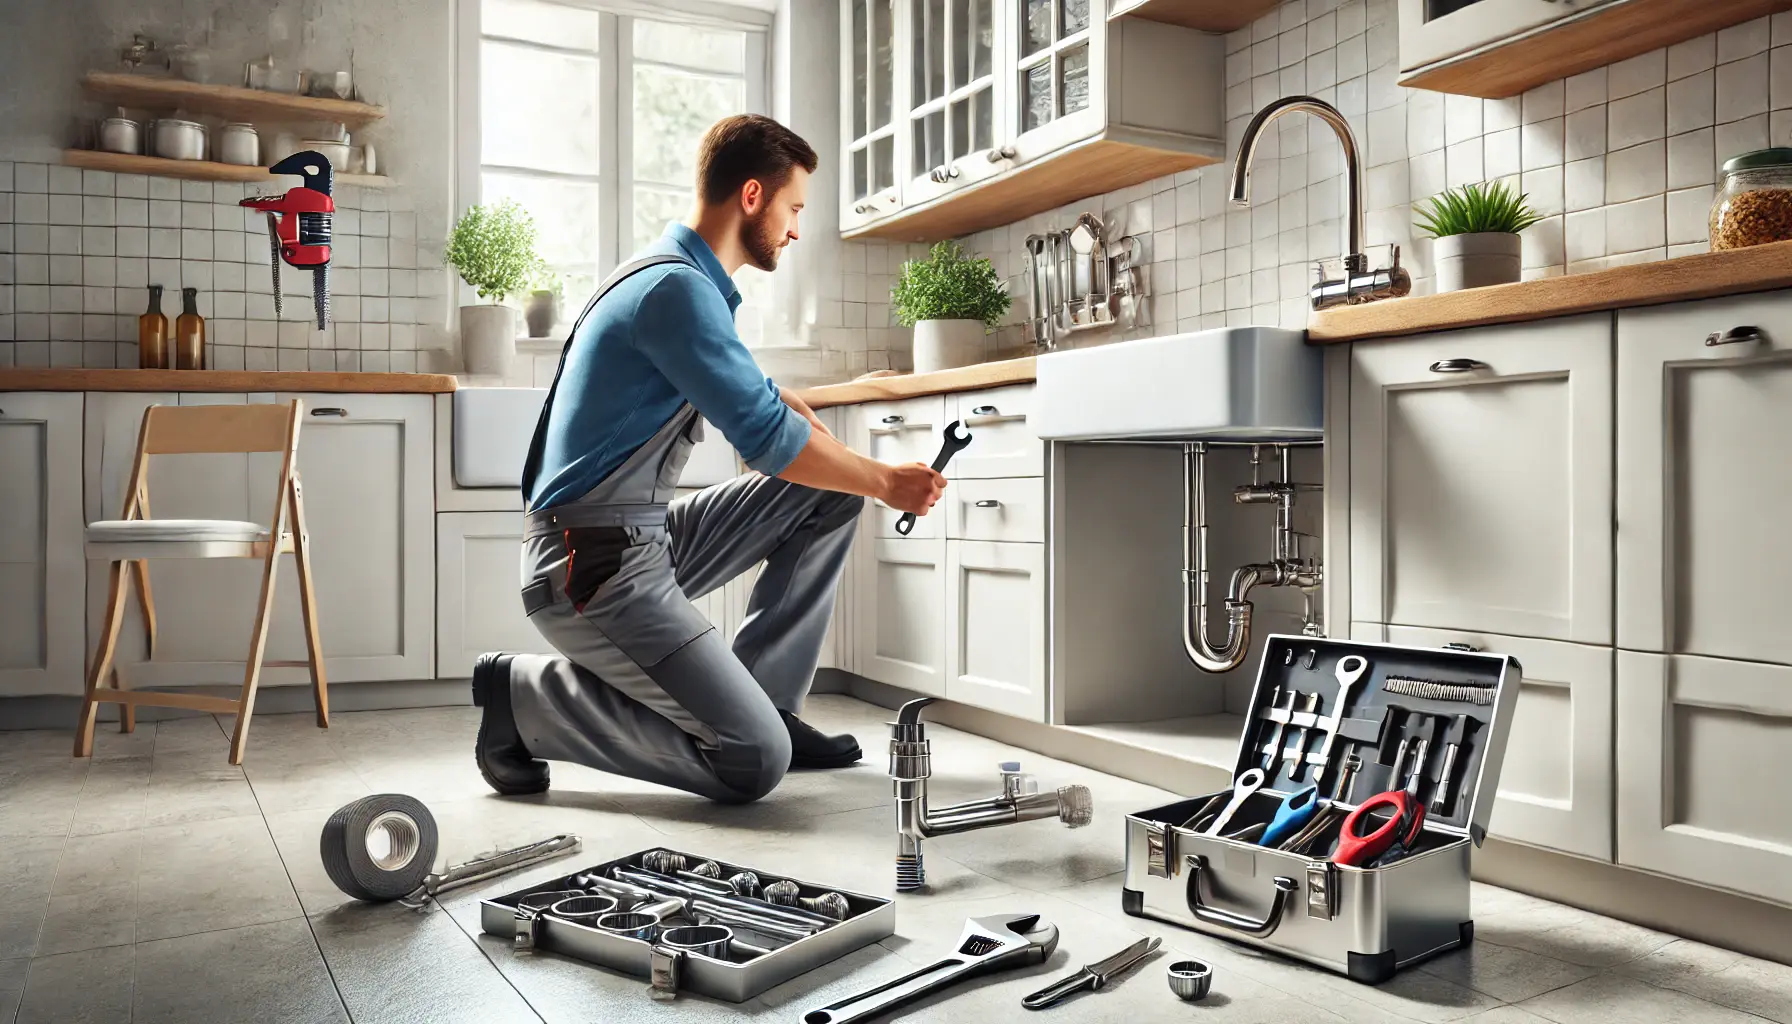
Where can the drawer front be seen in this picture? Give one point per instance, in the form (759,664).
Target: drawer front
(998,510)
(905,431)
(1003,443)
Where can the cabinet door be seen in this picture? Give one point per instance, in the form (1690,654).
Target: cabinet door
(205,608)
(1556,782)
(42,641)
(1481,480)
(995,622)
(1055,74)
(365,463)
(954,128)
(1003,442)
(479,605)
(902,614)
(870,95)
(1702,762)
(1703,549)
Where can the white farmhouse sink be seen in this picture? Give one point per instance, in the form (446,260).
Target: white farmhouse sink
(1231,383)
(492,427)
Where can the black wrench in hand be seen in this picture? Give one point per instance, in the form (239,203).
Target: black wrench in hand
(949,447)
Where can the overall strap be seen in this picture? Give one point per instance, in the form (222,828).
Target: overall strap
(532,463)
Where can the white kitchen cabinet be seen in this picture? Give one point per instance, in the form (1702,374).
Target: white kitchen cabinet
(899,432)
(1703,549)
(1010,509)
(869,185)
(42,640)
(1431,31)
(1702,764)
(1003,442)
(901,637)
(999,109)
(995,623)
(479,605)
(1556,782)
(1481,480)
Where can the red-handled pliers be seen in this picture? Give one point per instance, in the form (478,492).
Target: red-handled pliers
(1402,829)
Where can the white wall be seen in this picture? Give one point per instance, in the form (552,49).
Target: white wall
(400,52)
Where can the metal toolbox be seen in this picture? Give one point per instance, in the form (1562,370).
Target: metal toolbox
(1371,917)
(733,976)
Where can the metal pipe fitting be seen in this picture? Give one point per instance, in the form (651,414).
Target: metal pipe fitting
(911,766)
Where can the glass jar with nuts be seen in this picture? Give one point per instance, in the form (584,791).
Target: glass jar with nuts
(1753,204)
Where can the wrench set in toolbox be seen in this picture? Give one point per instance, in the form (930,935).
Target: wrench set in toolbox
(1364,773)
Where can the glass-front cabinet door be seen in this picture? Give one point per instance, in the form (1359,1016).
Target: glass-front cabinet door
(1057,73)
(870,176)
(954,125)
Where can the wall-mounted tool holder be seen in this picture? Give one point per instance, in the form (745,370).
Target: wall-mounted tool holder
(1345,838)
(1078,280)
(779,927)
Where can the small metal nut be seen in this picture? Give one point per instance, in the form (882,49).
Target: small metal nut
(746,884)
(1190,979)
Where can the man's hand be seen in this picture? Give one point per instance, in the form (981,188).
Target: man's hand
(913,487)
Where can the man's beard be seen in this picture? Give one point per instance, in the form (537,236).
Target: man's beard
(762,248)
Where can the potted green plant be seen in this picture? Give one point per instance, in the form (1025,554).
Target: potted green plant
(493,249)
(952,300)
(542,311)
(1477,228)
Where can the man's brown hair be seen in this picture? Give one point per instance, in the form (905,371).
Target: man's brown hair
(745,147)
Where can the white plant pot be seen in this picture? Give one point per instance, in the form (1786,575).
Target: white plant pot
(1477,260)
(942,344)
(488,339)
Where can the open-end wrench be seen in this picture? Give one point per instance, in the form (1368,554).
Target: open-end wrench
(1351,669)
(952,444)
(1247,784)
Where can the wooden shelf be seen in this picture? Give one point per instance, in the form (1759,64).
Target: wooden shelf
(197,170)
(1088,169)
(1575,44)
(1205,15)
(233,102)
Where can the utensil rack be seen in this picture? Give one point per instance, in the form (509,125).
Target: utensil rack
(1076,283)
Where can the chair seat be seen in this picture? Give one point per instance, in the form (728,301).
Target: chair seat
(168,531)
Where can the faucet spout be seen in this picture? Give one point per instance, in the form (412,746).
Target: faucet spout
(1355,262)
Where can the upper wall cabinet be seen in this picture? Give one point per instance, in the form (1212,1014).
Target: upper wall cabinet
(960,115)
(1499,48)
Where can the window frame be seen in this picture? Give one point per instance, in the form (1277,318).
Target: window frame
(615,55)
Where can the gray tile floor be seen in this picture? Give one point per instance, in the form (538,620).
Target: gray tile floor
(157,883)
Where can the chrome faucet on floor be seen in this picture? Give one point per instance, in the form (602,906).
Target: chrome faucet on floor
(1359,284)
(911,764)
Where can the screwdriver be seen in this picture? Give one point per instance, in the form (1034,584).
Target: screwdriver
(1460,727)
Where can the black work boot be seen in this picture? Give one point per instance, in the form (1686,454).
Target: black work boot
(810,748)
(499,750)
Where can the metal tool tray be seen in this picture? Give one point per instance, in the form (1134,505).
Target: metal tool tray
(1366,922)
(870,918)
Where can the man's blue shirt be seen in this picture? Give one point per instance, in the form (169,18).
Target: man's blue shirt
(663,336)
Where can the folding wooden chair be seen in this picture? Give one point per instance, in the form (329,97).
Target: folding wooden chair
(129,542)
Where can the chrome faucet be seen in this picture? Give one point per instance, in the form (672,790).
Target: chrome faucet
(911,764)
(1359,284)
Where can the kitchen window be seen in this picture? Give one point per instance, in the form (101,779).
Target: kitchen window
(589,115)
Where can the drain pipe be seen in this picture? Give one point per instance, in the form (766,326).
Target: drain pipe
(1230,654)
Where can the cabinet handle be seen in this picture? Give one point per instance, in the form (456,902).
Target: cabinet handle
(996,156)
(1736,335)
(329,410)
(989,503)
(1459,646)
(861,208)
(892,419)
(985,410)
(1457,365)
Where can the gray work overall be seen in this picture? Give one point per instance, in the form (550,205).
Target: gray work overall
(648,688)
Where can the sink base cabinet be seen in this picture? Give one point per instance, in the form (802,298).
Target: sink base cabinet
(42,639)
(1703,755)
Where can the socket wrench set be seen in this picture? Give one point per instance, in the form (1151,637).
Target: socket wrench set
(1364,774)
(688,923)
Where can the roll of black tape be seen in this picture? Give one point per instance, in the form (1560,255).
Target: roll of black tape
(380,847)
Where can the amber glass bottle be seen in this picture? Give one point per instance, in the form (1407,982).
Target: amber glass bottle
(189,333)
(152,333)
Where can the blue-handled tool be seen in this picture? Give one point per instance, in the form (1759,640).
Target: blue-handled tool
(1294,814)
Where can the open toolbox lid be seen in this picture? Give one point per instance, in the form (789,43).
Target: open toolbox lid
(1449,693)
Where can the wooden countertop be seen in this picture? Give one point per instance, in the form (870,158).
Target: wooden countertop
(27,379)
(1704,276)
(914,385)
